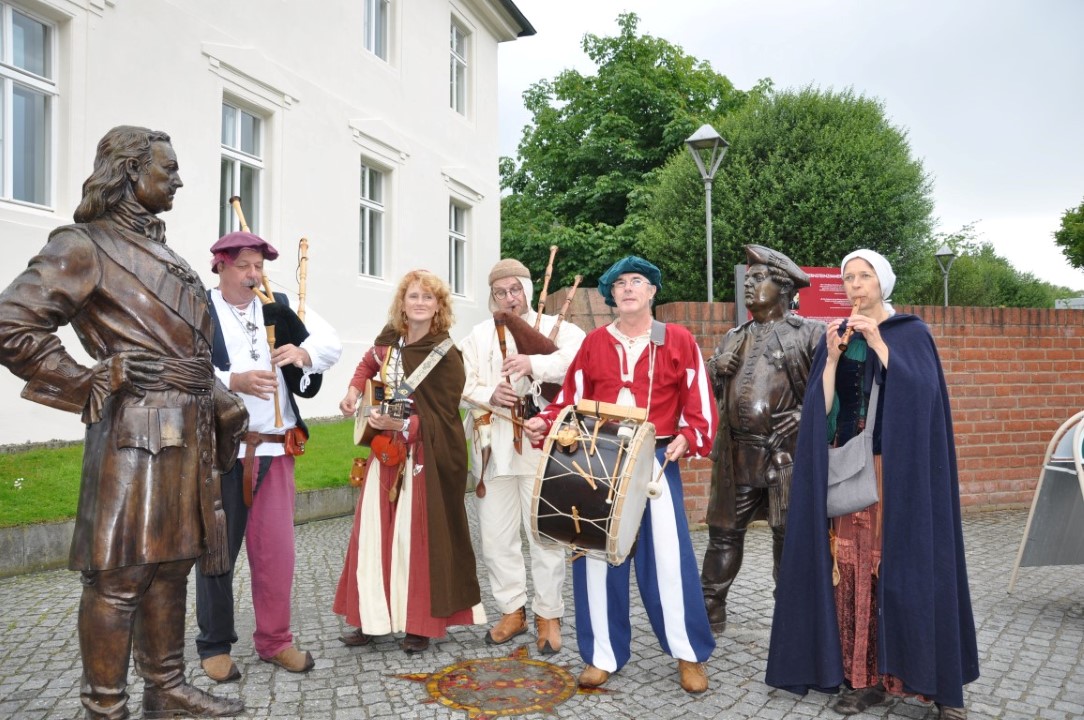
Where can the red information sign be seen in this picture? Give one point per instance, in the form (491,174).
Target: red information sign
(825,298)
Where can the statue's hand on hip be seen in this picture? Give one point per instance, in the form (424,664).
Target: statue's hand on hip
(130,372)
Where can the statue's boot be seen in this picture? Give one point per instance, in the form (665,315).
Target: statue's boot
(722,560)
(105,640)
(159,651)
(778,534)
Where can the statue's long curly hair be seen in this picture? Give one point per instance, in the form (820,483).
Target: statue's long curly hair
(109,182)
(442,321)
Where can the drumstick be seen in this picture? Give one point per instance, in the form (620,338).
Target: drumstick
(662,470)
(584,475)
(654,489)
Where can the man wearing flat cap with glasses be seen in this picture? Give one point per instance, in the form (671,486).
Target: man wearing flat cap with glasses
(500,381)
(759,374)
(638,361)
(258,493)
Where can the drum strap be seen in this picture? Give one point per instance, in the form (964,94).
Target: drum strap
(658,337)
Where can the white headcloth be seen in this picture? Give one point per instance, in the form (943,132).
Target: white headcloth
(882,267)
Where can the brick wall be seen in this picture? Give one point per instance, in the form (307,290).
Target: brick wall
(1013,375)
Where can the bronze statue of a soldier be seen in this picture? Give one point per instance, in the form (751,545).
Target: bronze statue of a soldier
(149,500)
(759,373)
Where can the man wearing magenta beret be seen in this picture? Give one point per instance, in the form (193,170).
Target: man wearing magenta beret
(258,493)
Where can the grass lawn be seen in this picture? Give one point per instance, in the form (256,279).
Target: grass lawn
(42,485)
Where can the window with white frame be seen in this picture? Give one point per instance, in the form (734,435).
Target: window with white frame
(376,27)
(242,166)
(457,248)
(460,47)
(27,98)
(371,250)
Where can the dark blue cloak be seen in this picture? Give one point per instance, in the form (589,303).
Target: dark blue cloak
(926,631)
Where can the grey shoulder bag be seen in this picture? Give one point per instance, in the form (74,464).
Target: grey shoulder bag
(852,478)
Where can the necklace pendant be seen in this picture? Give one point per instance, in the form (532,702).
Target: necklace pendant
(255,355)
(251,326)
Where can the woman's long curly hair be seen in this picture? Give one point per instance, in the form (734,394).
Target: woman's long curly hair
(442,321)
(109,182)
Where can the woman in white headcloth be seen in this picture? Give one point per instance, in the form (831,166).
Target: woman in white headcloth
(883,608)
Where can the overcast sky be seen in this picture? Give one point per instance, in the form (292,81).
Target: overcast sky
(990,92)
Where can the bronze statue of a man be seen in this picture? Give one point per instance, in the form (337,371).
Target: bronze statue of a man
(759,372)
(149,500)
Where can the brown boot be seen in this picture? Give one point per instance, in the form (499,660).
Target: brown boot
(593,677)
(293,660)
(187,700)
(510,625)
(694,678)
(220,668)
(549,634)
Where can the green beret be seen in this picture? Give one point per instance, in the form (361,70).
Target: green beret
(630,264)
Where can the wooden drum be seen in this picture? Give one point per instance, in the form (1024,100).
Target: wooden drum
(592,484)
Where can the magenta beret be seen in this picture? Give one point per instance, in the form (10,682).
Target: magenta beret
(233,243)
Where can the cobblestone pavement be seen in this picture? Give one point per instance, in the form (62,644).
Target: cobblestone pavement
(1030,646)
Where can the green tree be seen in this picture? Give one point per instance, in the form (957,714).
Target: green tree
(979,277)
(1070,237)
(812,173)
(592,140)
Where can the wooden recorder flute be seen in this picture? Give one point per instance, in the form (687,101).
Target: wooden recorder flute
(267,298)
(845,340)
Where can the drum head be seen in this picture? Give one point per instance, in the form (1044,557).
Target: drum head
(632,499)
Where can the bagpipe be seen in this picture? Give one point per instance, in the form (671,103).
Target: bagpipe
(529,341)
(285,326)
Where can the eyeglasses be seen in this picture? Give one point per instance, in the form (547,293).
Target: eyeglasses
(632,282)
(515,291)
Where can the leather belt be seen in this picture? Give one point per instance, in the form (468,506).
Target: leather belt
(252,439)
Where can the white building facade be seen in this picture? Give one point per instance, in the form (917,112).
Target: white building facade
(368,127)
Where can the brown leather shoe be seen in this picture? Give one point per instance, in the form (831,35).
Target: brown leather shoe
(355,639)
(293,660)
(951,713)
(593,677)
(510,625)
(188,701)
(220,668)
(413,644)
(694,678)
(549,634)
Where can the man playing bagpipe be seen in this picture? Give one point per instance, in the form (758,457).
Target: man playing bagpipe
(267,355)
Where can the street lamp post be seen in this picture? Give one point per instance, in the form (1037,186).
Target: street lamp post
(945,258)
(707,148)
